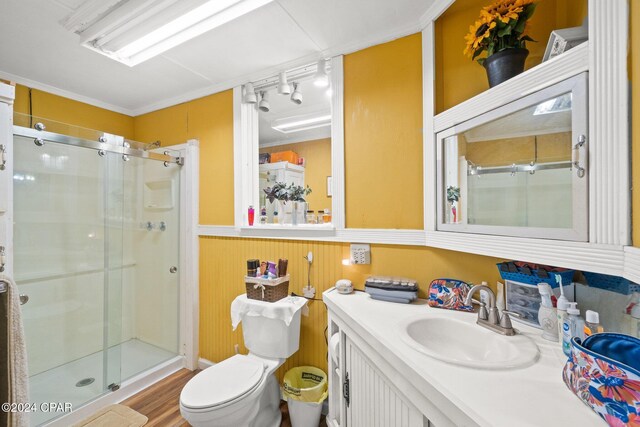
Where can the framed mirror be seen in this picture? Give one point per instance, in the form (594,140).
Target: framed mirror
(520,170)
(289,153)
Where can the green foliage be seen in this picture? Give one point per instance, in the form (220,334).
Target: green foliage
(280,191)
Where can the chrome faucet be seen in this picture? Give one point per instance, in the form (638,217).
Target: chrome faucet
(491,319)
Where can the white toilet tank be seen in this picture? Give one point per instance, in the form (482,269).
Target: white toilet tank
(271,337)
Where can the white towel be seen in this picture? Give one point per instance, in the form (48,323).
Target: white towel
(18,374)
(283,310)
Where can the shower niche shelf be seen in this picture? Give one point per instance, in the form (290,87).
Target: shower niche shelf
(159,195)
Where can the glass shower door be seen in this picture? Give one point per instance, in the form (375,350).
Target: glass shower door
(150,282)
(61,261)
(96,249)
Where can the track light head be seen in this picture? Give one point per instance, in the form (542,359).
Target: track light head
(264,105)
(250,94)
(321,79)
(296,96)
(283,86)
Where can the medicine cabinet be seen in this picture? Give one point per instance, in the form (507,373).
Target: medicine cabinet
(520,169)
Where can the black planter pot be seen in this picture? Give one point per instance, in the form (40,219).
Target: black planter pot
(505,64)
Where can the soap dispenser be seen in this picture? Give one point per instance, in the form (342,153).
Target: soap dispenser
(547,316)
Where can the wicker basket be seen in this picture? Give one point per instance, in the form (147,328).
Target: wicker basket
(268,290)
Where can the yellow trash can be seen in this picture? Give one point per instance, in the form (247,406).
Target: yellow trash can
(305,388)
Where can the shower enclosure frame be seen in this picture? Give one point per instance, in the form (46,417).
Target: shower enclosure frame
(188,258)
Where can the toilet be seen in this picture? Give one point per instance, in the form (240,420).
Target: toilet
(242,391)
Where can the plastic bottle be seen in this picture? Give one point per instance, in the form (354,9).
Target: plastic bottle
(561,307)
(547,316)
(263,215)
(592,323)
(251,212)
(573,326)
(275,218)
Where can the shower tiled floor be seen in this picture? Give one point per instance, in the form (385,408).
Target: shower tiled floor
(59,384)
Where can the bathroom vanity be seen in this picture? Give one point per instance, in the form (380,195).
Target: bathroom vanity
(380,374)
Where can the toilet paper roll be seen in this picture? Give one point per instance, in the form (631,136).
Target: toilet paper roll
(334,348)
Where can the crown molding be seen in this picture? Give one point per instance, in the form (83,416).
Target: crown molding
(65,93)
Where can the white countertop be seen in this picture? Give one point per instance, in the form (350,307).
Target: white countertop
(531,396)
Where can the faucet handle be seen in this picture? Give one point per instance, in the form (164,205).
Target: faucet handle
(483,314)
(505,321)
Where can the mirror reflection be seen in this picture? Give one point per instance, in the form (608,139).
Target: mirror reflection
(295,152)
(512,171)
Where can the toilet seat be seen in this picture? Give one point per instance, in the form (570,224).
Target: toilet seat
(223,383)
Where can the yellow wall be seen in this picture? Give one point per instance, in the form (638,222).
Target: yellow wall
(65,110)
(635,109)
(383,135)
(457,77)
(223,264)
(383,155)
(210,120)
(317,155)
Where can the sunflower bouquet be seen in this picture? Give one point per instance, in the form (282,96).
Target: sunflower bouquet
(501,25)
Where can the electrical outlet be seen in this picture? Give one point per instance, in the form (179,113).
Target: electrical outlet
(360,253)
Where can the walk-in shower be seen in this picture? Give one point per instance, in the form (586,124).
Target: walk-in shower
(96,251)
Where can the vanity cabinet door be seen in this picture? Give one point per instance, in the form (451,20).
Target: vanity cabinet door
(372,401)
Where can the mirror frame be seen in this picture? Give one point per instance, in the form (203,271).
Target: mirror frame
(246,176)
(579,231)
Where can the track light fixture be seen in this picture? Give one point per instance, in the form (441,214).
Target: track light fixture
(264,102)
(296,96)
(321,79)
(283,86)
(250,94)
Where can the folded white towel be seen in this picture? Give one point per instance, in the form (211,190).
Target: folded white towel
(283,310)
(17,348)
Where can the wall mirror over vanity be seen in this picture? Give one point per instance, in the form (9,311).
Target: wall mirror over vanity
(288,149)
(294,149)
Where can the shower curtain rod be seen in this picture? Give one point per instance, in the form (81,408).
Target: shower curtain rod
(101,145)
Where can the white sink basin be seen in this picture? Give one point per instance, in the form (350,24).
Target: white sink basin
(467,344)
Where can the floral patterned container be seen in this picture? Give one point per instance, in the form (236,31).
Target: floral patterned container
(450,294)
(604,372)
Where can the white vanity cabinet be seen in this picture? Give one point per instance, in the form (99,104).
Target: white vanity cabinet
(361,392)
(371,398)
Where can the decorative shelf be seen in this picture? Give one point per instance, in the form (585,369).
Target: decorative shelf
(534,79)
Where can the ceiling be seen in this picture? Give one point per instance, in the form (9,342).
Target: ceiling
(37,51)
(315,99)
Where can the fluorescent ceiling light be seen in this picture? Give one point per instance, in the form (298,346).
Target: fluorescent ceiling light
(555,105)
(138,30)
(300,123)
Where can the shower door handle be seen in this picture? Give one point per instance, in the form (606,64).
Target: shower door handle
(173,269)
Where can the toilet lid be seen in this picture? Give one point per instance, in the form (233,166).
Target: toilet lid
(222,382)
